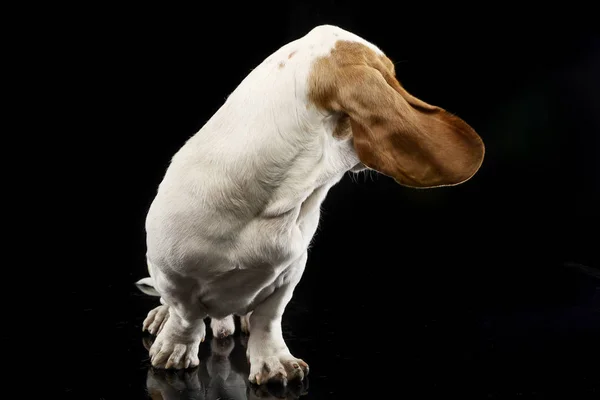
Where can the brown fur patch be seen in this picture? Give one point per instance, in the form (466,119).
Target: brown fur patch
(292,54)
(395,133)
(281,65)
(342,129)
(344,53)
(389,65)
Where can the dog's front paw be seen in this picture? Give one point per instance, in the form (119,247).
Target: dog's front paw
(172,354)
(156,319)
(277,369)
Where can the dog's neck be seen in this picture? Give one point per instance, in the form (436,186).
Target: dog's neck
(265,168)
(267,148)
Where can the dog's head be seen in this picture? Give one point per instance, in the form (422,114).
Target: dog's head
(394,133)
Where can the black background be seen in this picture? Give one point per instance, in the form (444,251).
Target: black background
(486,288)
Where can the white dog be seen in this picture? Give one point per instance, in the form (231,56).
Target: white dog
(229,229)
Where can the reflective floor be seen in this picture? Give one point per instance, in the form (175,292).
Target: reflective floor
(437,344)
(487,290)
(222,374)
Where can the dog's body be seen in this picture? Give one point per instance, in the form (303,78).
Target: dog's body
(229,229)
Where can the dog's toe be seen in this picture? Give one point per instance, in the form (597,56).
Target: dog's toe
(156,319)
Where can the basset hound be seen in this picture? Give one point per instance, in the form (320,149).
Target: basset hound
(229,228)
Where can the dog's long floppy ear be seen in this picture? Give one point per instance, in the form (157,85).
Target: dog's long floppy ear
(396,134)
(417,144)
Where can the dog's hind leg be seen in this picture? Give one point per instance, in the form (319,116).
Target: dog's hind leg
(156,319)
(158,316)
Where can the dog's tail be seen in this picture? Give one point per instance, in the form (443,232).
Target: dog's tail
(146,285)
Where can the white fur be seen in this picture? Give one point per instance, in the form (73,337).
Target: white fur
(229,229)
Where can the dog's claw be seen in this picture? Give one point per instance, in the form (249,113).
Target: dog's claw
(278,370)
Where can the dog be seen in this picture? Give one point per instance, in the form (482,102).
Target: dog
(229,228)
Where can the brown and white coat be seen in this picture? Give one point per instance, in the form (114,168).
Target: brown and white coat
(229,229)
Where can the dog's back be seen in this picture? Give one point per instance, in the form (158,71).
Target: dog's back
(234,198)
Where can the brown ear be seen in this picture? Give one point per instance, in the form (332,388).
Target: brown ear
(398,135)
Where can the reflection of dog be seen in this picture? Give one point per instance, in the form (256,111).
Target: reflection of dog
(229,228)
(225,379)
(222,374)
(171,385)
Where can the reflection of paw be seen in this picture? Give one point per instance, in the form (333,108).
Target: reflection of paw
(170,384)
(222,328)
(156,319)
(277,369)
(292,391)
(222,347)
